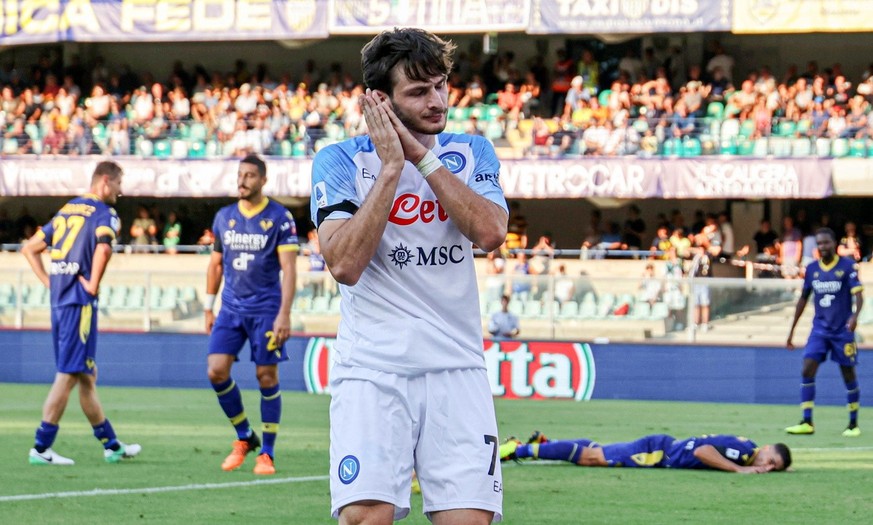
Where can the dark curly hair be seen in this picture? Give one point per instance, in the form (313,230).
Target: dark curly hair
(423,55)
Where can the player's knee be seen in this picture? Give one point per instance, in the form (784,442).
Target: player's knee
(267,378)
(369,512)
(217,375)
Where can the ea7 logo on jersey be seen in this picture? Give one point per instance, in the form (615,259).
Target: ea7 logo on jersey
(365,173)
(453,161)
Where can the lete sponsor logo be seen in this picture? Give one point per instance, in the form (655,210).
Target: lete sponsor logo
(540,369)
(516,369)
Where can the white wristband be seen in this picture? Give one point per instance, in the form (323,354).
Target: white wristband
(209,302)
(428,164)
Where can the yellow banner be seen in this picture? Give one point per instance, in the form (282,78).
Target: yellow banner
(802,16)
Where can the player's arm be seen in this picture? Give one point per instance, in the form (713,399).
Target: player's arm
(798,311)
(213,281)
(348,245)
(102,253)
(852,323)
(31,251)
(479,219)
(282,324)
(712,458)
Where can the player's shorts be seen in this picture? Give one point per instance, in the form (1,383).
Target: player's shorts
(841,346)
(74,336)
(230,332)
(442,424)
(701,294)
(649,451)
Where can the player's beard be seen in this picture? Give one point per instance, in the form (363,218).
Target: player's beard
(420,126)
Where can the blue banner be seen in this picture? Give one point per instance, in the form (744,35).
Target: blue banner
(629,16)
(43,21)
(367,17)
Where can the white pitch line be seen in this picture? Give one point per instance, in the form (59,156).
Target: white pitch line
(833,449)
(154,490)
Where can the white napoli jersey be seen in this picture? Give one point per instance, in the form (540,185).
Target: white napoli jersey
(415,308)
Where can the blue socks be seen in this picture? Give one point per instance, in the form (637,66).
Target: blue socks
(854,402)
(230,399)
(106,435)
(271,413)
(807,397)
(45,436)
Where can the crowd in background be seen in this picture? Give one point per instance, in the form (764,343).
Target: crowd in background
(576,105)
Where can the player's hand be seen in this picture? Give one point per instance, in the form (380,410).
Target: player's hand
(282,329)
(755,469)
(413,150)
(789,344)
(209,318)
(852,323)
(92,289)
(388,147)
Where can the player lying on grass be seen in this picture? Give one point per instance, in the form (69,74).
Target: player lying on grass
(715,452)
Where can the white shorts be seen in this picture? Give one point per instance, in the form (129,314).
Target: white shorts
(442,424)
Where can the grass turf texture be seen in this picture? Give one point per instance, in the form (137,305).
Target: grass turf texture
(185,437)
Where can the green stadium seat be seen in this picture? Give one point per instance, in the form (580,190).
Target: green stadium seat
(715,110)
(801,147)
(533,308)
(781,146)
(334,306)
(298,149)
(747,127)
(145,147)
(320,304)
(516,306)
(728,146)
(10,146)
(659,311)
(672,147)
(839,147)
(301,304)
(691,147)
(640,310)
(603,97)
(858,148)
(196,149)
(786,128)
(761,148)
(823,147)
(569,310)
(163,149)
(745,147)
(604,305)
(730,128)
(197,131)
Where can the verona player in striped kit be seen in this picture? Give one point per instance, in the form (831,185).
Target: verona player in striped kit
(80,238)
(397,214)
(255,240)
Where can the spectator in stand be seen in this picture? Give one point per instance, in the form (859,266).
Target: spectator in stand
(728,247)
(541,255)
(143,230)
(562,74)
(516,232)
(594,231)
(681,243)
(634,229)
(589,69)
(721,60)
(650,286)
(521,282)
(661,243)
(850,243)
(172,234)
(809,246)
(576,96)
(503,324)
(510,101)
(565,286)
(765,242)
(790,249)
(17,136)
(531,93)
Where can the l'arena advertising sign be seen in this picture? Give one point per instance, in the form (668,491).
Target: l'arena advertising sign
(516,369)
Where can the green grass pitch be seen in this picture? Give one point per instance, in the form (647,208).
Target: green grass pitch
(177,479)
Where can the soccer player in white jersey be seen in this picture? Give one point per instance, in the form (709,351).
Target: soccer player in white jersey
(398,213)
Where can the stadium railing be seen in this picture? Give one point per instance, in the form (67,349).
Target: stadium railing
(594,299)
